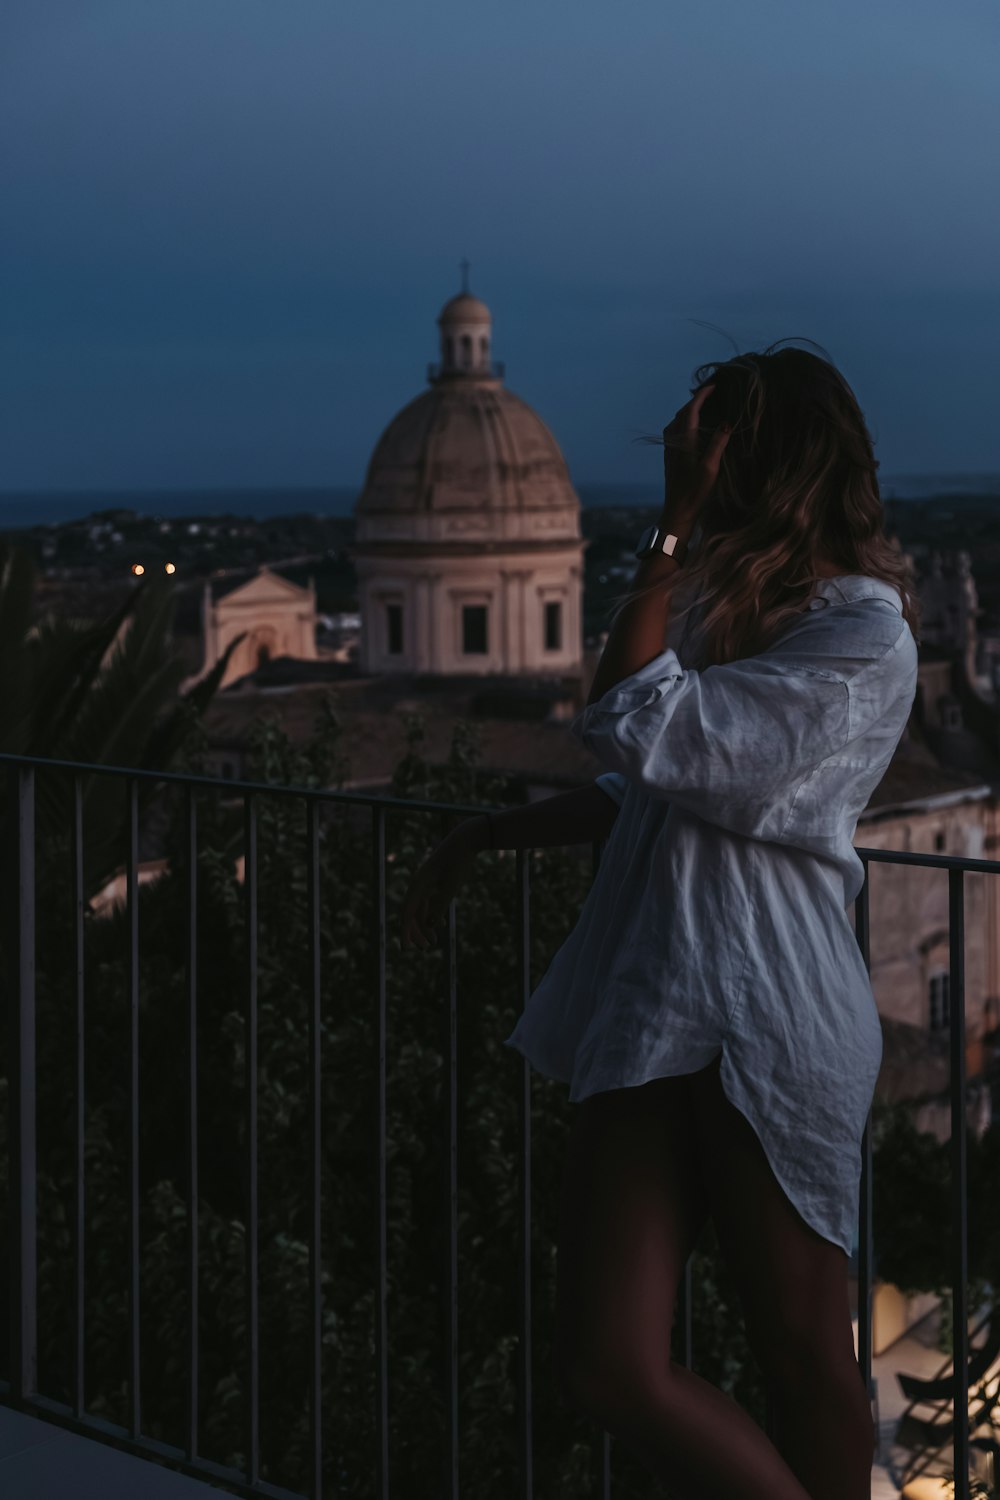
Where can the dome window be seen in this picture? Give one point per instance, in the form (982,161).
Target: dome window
(484,350)
(475,641)
(394,629)
(553,625)
(466,351)
(449,350)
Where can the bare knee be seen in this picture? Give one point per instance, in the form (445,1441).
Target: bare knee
(603,1388)
(808,1367)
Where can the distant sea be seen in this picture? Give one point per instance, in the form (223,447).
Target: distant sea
(51,507)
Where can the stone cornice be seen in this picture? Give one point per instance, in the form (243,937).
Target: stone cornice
(473,548)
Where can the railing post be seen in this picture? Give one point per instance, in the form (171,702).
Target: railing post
(132,912)
(381,1331)
(315,1154)
(866,1243)
(684,1301)
(451,1204)
(191,820)
(526,1414)
(23,1154)
(959,1182)
(80,1199)
(252,1394)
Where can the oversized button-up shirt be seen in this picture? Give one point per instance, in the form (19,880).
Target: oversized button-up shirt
(717,921)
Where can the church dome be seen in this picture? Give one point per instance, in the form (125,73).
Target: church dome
(464,308)
(466,447)
(467,547)
(467,458)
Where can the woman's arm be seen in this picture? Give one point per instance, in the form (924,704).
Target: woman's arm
(690,470)
(577,817)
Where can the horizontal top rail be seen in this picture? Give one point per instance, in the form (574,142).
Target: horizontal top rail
(186,778)
(408,804)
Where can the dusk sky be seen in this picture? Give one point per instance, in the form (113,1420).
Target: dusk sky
(229,225)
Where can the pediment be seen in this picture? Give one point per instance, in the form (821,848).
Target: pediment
(264,589)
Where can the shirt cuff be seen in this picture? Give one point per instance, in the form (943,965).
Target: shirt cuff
(632,692)
(614,783)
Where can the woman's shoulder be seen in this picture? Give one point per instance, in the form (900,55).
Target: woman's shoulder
(846,635)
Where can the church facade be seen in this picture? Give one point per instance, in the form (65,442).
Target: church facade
(468,549)
(275,617)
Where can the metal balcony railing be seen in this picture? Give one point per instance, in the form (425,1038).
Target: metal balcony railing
(495,370)
(21,1389)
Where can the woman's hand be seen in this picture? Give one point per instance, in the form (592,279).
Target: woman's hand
(690,462)
(438,879)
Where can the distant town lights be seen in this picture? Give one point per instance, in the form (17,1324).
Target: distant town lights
(138,568)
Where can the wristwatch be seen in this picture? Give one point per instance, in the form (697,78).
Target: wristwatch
(655,541)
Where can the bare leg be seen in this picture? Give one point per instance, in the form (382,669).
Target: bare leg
(699,1441)
(633,1206)
(793,1287)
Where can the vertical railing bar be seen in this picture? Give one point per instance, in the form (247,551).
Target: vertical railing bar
(23,1155)
(381,1234)
(192,1140)
(79,1204)
(596,850)
(132,907)
(959,1182)
(524,991)
(452,1191)
(315,1158)
(253,1361)
(866,1241)
(684,1314)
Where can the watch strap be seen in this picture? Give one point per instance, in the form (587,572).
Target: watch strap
(659,541)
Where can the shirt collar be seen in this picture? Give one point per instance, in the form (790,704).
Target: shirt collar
(851,587)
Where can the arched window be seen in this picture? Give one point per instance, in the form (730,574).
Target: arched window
(466,350)
(484,349)
(449,349)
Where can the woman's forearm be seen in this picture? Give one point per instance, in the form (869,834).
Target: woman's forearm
(639,629)
(578,817)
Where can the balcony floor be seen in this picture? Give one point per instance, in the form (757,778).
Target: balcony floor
(40,1460)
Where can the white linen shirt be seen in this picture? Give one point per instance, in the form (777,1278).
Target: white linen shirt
(717,919)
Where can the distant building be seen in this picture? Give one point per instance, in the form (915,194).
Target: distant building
(468,547)
(276,616)
(958,703)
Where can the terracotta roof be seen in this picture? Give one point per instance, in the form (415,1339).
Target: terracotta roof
(375,734)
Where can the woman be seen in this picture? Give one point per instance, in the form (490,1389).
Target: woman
(711,1010)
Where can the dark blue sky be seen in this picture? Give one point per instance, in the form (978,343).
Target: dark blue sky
(229,225)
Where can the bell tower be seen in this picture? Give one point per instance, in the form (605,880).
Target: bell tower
(466,330)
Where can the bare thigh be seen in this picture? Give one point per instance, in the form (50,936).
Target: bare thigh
(792,1282)
(646,1167)
(633,1206)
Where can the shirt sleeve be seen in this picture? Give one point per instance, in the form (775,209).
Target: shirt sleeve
(731,743)
(614,783)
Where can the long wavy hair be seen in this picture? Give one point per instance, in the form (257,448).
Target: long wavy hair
(797,483)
